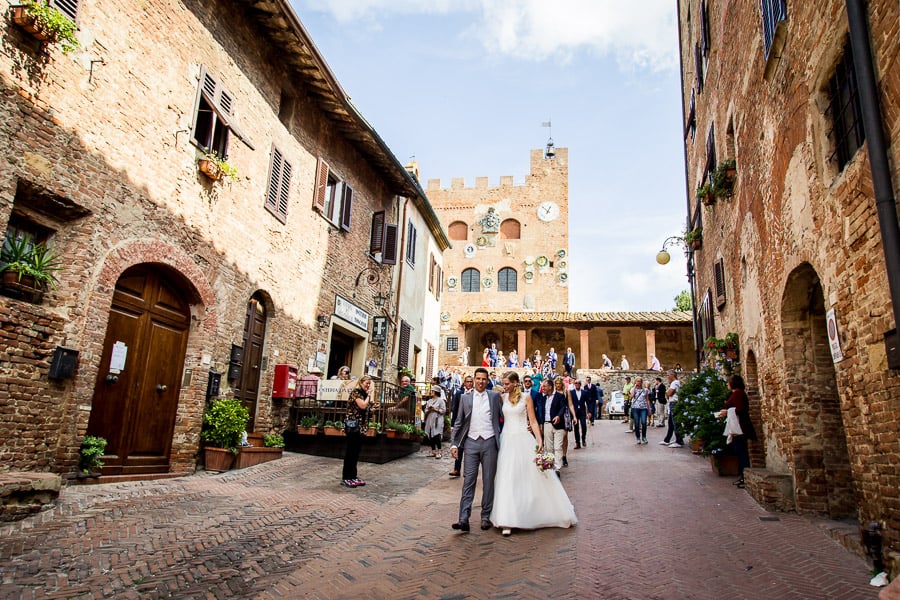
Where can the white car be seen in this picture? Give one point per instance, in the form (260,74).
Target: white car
(616,405)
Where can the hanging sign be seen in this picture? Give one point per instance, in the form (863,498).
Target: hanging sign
(834,341)
(379,329)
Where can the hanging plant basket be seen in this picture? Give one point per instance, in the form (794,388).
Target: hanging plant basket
(211,169)
(28,23)
(696,244)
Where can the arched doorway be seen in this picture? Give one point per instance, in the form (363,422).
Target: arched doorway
(823,481)
(136,393)
(751,379)
(247,388)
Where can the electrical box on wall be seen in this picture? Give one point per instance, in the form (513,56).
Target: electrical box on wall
(212,384)
(65,360)
(235,362)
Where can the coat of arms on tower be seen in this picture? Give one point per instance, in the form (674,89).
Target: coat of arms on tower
(490,222)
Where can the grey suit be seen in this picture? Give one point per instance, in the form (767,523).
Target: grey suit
(477,452)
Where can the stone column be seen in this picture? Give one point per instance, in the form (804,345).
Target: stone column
(651,346)
(520,335)
(585,348)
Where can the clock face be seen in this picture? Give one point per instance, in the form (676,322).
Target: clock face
(548,211)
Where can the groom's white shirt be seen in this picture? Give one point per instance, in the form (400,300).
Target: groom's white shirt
(480,425)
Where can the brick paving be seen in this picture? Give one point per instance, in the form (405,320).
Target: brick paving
(654,522)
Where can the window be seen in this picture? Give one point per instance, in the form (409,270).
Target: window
(458,231)
(844,108)
(507,280)
(452,344)
(710,152)
(691,125)
(383,240)
(698,68)
(67,7)
(435,278)
(213,117)
(431,267)
(403,357)
(279,187)
(704,29)
(510,229)
(705,321)
(411,236)
(333,197)
(429,361)
(719,277)
(471,280)
(773,13)
(376,237)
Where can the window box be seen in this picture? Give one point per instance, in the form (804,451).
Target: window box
(29,23)
(216,168)
(46,23)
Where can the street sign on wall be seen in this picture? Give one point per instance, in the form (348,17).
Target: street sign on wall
(834,341)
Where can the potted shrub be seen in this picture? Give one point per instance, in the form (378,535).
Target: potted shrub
(216,167)
(723,178)
(309,425)
(705,194)
(15,259)
(45,23)
(92,448)
(700,398)
(373,430)
(393,429)
(334,427)
(223,424)
(43,267)
(694,238)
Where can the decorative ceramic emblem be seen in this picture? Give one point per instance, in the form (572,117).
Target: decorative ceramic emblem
(445,316)
(451,282)
(542,261)
(469,250)
(481,241)
(561,253)
(487,282)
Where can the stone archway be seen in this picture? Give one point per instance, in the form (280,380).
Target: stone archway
(823,481)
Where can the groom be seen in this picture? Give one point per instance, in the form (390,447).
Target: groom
(477,432)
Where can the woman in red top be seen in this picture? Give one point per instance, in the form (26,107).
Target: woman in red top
(741,404)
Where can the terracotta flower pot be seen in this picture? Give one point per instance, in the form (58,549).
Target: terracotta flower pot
(334,431)
(210,169)
(725,465)
(217,459)
(29,24)
(307,430)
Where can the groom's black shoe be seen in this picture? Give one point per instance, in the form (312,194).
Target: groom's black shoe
(462,526)
(485,525)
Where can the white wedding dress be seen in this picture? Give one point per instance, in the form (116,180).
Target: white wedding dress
(524,497)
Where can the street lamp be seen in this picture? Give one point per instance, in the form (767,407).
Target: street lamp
(663,257)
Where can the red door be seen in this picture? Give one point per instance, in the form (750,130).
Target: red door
(136,393)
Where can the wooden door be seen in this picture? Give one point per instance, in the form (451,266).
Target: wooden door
(135,400)
(247,390)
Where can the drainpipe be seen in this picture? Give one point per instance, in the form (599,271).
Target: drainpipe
(878,163)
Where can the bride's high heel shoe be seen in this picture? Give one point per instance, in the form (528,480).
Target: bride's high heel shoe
(507,532)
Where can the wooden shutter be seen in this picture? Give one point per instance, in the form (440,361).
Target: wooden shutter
(698,68)
(411,244)
(346,207)
(321,185)
(389,254)
(431,266)
(719,276)
(278,191)
(439,284)
(67,7)
(704,28)
(403,358)
(429,362)
(376,237)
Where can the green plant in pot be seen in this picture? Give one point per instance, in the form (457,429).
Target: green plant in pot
(705,194)
(699,399)
(693,237)
(723,178)
(216,166)
(46,22)
(224,422)
(310,421)
(44,265)
(92,448)
(15,256)
(273,440)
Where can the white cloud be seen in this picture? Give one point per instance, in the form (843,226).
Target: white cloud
(638,34)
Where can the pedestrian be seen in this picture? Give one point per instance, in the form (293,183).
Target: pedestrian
(526,364)
(434,421)
(526,498)
(477,431)
(569,361)
(740,404)
(513,359)
(492,354)
(626,393)
(661,403)
(624,364)
(552,358)
(578,399)
(654,363)
(464,357)
(501,359)
(590,394)
(358,406)
(559,385)
(640,407)
(674,428)
(607,363)
(467,385)
(549,410)
(486,358)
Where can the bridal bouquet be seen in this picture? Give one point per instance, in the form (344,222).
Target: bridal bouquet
(544,460)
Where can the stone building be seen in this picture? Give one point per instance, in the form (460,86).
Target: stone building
(174,284)
(793,256)
(507,276)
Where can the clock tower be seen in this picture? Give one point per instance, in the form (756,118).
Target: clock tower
(510,246)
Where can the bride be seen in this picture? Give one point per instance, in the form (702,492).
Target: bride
(524,496)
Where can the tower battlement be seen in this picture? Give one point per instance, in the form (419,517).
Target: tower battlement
(540,166)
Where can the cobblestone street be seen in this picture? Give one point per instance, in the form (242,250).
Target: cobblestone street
(654,522)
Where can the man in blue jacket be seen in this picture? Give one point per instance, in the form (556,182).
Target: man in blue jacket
(549,409)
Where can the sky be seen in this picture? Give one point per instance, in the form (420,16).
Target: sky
(464,86)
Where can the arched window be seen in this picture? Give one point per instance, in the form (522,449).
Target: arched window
(508,280)
(471,280)
(458,231)
(510,229)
